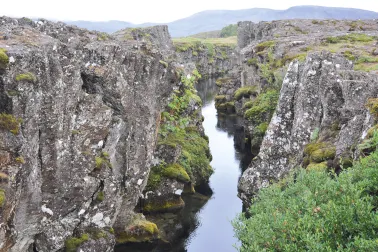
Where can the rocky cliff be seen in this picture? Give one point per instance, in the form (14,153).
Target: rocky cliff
(80,113)
(320,119)
(261,89)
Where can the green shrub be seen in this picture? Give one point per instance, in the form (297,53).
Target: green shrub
(73,243)
(313,211)
(28,77)
(245,91)
(9,122)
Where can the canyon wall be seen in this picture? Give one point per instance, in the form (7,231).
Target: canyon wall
(80,114)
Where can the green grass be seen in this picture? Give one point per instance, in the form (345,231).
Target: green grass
(352,38)
(245,91)
(73,243)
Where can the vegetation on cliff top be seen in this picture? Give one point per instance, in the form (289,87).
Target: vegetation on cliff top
(313,210)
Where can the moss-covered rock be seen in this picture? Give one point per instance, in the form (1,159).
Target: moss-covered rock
(246,92)
(221,81)
(317,166)
(220,99)
(228,107)
(319,152)
(177,172)
(73,243)
(140,230)
(163,205)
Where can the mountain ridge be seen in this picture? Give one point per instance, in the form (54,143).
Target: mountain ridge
(210,20)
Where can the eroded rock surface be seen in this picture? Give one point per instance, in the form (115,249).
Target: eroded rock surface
(90,106)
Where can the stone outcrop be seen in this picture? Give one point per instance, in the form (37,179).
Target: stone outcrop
(322,102)
(89,105)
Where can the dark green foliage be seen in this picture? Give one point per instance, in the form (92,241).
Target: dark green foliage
(229,31)
(313,211)
(263,107)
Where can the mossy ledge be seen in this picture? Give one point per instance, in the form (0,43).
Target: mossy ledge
(140,230)
(2,198)
(164,205)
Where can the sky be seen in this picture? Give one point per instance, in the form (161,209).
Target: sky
(157,11)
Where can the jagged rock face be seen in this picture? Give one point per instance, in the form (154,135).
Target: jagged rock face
(319,93)
(225,58)
(90,119)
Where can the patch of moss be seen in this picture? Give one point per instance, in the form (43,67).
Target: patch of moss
(10,123)
(177,172)
(164,206)
(102,161)
(317,166)
(245,91)
(2,198)
(228,107)
(261,129)
(264,45)
(319,152)
(111,230)
(372,105)
(100,196)
(353,37)
(349,55)
(20,160)
(28,77)
(73,243)
(165,64)
(263,107)
(4,59)
(252,62)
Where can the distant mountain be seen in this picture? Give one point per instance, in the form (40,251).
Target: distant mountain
(216,19)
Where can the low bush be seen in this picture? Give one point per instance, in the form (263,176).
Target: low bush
(313,211)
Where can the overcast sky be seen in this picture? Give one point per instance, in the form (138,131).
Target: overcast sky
(140,11)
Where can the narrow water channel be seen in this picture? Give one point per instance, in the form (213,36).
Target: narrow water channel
(204,225)
(215,232)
